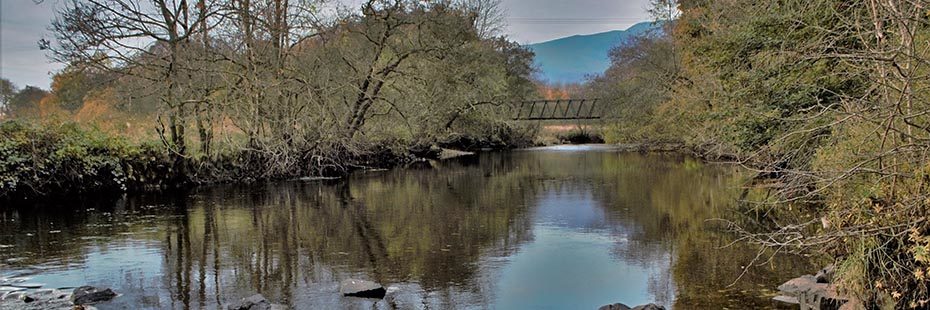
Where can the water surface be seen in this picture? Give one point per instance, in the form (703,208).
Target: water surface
(550,228)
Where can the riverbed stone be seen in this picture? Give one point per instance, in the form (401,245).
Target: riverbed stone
(361,288)
(255,302)
(88,295)
(36,300)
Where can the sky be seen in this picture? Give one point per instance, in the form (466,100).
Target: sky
(23,23)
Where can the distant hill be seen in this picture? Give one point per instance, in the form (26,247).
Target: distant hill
(570,59)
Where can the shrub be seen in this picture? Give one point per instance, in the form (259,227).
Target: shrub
(58,159)
(580,135)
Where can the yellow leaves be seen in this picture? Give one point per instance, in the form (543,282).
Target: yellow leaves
(919,275)
(49,107)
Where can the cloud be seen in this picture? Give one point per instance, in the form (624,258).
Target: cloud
(532,21)
(22,24)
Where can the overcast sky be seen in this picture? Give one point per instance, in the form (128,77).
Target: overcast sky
(23,23)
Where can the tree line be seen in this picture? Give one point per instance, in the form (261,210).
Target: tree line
(283,88)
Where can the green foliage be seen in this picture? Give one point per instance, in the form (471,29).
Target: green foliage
(643,73)
(74,83)
(58,159)
(580,135)
(473,134)
(827,97)
(26,102)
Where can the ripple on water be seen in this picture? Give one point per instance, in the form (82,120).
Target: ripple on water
(575,148)
(6,289)
(28,285)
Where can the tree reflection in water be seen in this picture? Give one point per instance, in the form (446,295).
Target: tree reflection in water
(461,234)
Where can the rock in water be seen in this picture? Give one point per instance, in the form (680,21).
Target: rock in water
(649,307)
(616,306)
(361,288)
(254,302)
(89,294)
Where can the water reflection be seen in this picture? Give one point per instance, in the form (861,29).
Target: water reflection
(551,228)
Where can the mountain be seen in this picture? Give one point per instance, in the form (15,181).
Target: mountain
(570,59)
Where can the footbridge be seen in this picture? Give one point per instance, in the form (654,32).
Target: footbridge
(558,109)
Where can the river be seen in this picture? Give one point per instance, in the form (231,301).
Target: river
(571,227)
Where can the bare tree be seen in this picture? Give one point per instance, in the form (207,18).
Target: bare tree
(663,10)
(150,40)
(489,16)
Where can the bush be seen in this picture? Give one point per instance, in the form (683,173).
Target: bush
(580,135)
(59,159)
(476,134)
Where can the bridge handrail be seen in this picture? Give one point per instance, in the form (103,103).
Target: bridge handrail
(557,113)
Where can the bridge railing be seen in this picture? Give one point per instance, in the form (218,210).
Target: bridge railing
(559,109)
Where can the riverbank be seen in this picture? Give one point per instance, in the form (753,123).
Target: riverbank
(60,160)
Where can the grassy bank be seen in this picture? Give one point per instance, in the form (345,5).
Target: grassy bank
(43,160)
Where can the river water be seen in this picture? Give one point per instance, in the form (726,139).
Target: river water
(552,228)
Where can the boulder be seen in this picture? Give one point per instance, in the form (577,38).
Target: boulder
(89,295)
(616,306)
(361,288)
(800,284)
(649,307)
(809,294)
(36,300)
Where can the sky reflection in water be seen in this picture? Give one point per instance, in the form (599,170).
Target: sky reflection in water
(561,228)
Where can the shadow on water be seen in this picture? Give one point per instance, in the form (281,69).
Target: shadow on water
(552,228)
